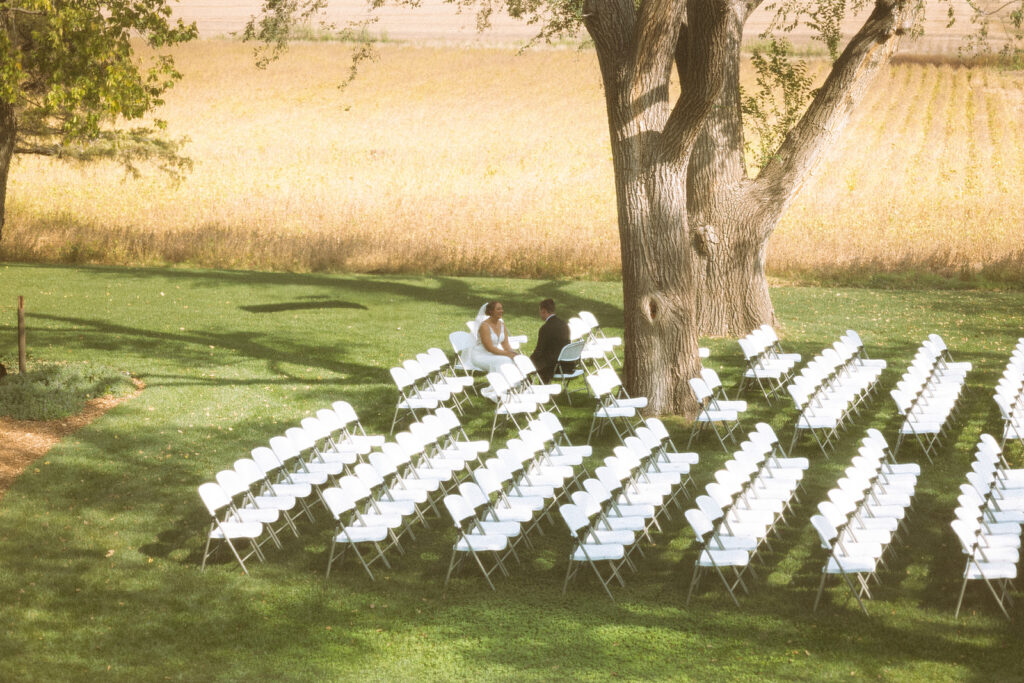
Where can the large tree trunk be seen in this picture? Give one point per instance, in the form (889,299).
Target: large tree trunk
(8,133)
(729,225)
(657,289)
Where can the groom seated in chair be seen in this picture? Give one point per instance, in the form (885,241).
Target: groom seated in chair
(553,335)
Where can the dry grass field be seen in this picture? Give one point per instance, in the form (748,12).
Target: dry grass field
(458,160)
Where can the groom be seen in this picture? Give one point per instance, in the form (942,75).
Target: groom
(553,335)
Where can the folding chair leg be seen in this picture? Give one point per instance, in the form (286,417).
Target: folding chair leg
(821,588)
(693,582)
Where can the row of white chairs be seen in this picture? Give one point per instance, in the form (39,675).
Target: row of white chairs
(928,395)
(623,501)
(598,348)
(859,523)
(427,382)
(509,494)
(517,390)
(269,490)
(717,411)
(988,522)
(768,365)
(742,507)
(1009,396)
(830,388)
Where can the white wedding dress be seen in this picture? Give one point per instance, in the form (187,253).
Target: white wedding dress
(484,359)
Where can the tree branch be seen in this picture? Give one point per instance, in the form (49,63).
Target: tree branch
(706,44)
(868,50)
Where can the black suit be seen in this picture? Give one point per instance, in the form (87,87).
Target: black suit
(553,335)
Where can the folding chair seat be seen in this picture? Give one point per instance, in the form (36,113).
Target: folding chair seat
(561,439)
(569,357)
(619,412)
(535,472)
(512,467)
(402,486)
(769,374)
(457,434)
(498,477)
(224,526)
(503,507)
(509,404)
(278,479)
(532,381)
(594,355)
(447,371)
(719,399)
(998,533)
(472,541)
(436,379)
(764,435)
(859,560)
(523,387)
(865,516)
(736,523)
(288,451)
(389,493)
(609,492)
(312,458)
(997,567)
(723,422)
(660,462)
(991,508)
(774,346)
(419,445)
(606,343)
(426,382)
(410,399)
(669,452)
(351,531)
(715,552)
(731,489)
(877,440)
(243,508)
(355,433)
(854,533)
(325,449)
(487,521)
(262,494)
(552,453)
(371,512)
(605,525)
(589,550)
(434,430)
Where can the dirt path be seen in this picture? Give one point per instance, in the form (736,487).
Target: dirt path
(23,441)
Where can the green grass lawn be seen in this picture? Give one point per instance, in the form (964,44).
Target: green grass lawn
(100,540)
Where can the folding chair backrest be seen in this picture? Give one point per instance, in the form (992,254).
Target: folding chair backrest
(368,475)
(473,495)
(710,507)
(826,532)
(410,444)
(967,535)
(458,508)
(346,413)
(577,329)
(488,481)
(525,365)
(283,448)
(575,518)
(355,487)
(266,460)
(213,497)
(699,522)
(403,380)
(571,352)
(338,501)
(597,490)
(299,438)
(710,378)
(231,483)
(586,502)
(249,471)
(700,389)
(314,428)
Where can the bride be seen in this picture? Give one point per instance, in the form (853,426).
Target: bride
(492,348)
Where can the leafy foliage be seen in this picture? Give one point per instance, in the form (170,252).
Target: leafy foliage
(50,391)
(783,91)
(69,73)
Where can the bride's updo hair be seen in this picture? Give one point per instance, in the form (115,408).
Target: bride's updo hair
(489,308)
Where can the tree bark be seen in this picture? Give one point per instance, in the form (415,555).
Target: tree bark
(651,141)
(8,133)
(731,216)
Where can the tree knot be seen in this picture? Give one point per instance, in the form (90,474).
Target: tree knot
(705,238)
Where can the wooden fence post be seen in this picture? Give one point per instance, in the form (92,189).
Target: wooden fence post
(21,335)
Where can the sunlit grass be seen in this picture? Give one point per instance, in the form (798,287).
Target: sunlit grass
(479,161)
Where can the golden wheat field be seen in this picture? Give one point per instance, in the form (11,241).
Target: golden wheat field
(457,160)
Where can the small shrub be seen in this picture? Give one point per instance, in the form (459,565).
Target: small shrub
(50,391)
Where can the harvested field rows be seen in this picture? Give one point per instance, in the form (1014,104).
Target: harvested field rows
(480,161)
